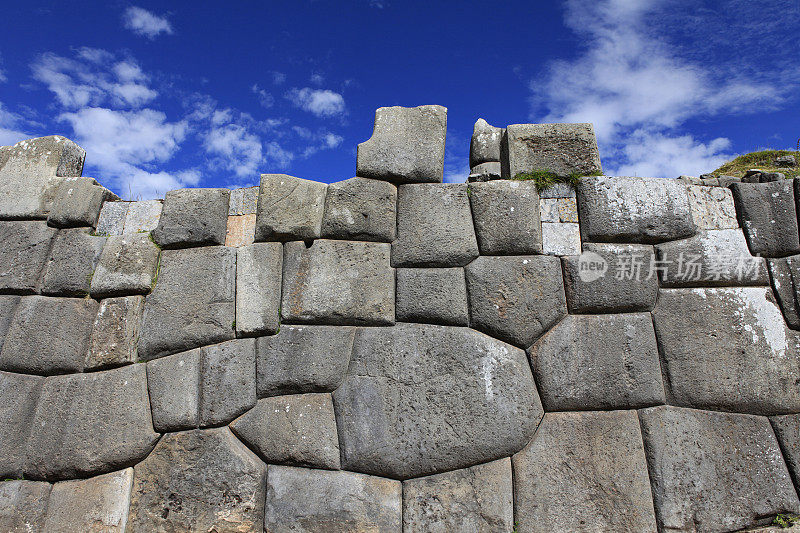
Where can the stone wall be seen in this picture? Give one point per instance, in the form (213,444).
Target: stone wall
(391,353)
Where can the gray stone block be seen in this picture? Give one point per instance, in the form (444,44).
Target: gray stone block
(434,226)
(95,504)
(584,472)
(77,203)
(24,247)
(303,359)
(297,430)
(484,145)
(407,145)
(432,295)
(23,505)
(600,362)
(561,239)
(712,208)
(305,500)
(8,305)
(714,471)
(200,480)
(192,304)
(561,148)
(738,355)
(258,288)
(289,208)
(243,201)
(128,265)
(768,216)
(727,181)
(227,381)
(193,217)
(360,209)
(506,216)
(143,216)
(515,299)
(112,218)
(115,333)
(787,431)
(784,288)
(73,258)
(68,325)
(558,190)
(484,172)
(473,499)
(19,395)
(174,386)
(337,282)
(634,210)
(421,399)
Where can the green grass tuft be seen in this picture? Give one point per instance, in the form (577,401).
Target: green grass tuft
(546,178)
(786,520)
(763,160)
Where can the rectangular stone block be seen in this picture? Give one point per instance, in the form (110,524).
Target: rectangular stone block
(112,218)
(173,383)
(72,261)
(561,239)
(432,295)
(23,505)
(115,333)
(241,230)
(77,203)
(227,381)
(258,289)
(289,208)
(564,149)
(712,207)
(128,265)
(24,247)
(143,216)
(96,504)
(360,209)
(768,216)
(243,201)
(193,217)
(19,394)
(506,216)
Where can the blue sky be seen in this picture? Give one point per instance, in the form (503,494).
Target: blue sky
(212,94)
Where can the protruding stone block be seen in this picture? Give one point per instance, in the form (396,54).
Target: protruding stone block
(128,265)
(561,239)
(227,381)
(24,247)
(407,145)
(360,209)
(258,287)
(432,295)
(484,145)
(95,504)
(243,201)
(712,207)
(768,216)
(174,386)
(484,172)
(506,215)
(23,505)
(784,288)
(143,216)
(112,218)
(78,202)
(73,259)
(193,217)
(565,149)
(19,394)
(289,208)
(115,333)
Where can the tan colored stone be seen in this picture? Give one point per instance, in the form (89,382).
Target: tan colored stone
(241,229)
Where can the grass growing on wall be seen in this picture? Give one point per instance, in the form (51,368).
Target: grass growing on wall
(763,160)
(546,178)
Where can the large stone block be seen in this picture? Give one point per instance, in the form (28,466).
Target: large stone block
(289,208)
(24,247)
(565,149)
(78,202)
(112,218)
(714,471)
(421,399)
(787,430)
(115,333)
(712,207)
(72,261)
(227,381)
(506,215)
(515,299)
(735,354)
(780,271)
(23,505)
(258,288)
(337,282)
(19,395)
(143,216)
(128,265)
(407,145)
(432,295)
(192,304)
(434,226)
(95,504)
(360,209)
(584,472)
(193,217)
(484,145)
(768,216)
(305,500)
(174,386)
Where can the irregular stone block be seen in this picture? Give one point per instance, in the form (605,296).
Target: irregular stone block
(200,480)
(77,203)
(227,381)
(484,145)
(48,335)
(434,226)
(300,499)
(584,472)
(23,505)
(95,504)
(599,362)
(89,424)
(143,216)
(303,359)
(515,299)
(289,208)
(193,217)
(738,356)
(784,289)
(192,304)
(484,172)
(115,333)
(432,295)
(561,239)
(611,278)
(258,287)
(8,304)
(360,209)
(714,471)
(128,265)
(24,247)
(768,216)
(112,218)
(506,215)
(727,181)
(421,399)
(407,145)
(73,258)
(174,386)
(474,499)
(338,282)
(565,149)
(787,430)
(241,230)
(712,208)
(298,430)
(18,397)
(243,201)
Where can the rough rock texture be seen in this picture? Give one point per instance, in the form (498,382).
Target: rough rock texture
(95,504)
(143,216)
(23,505)
(241,230)
(193,217)
(780,271)
(787,430)
(72,260)
(712,207)
(422,399)
(484,145)
(18,397)
(768,216)
(77,203)
(506,215)
(484,172)
(558,190)
(112,218)
(558,210)
(258,288)
(24,247)
(407,145)
(174,386)
(115,333)
(304,500)
(432,295)
(584,472)
(243,201)
(561,148)
(227,381)
(128,265)
(360,209)
(8,304)
(289,208)
(561,239)
(714,471)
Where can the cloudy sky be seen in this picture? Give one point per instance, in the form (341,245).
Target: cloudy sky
(213,94)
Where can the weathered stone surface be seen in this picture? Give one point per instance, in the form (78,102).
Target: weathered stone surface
(714,471)
(407,145)
(727,181)
(289,208)
(243,201)
(787,430)
(304,500)
(88,424)
(303,359)
(598,362)
(484,172)
(23,505)
(421,399)
(298,430)
(128,265)
(19,394)
(484,145)
(784,288)
(634,210)
(227,381)
(476,499)
(77,203)
(72,260)
(584,472)
(24,247)
(432,295)
(515,299)
(434,226)
(143,216)
(258,287)
(506,215)
(567,210)
(360,209)
(199,480)
(561,239)
(712,207)
(95,504)
(8,304)
(174,386)
(738,357)
(192,304)
(115,333)
(68,325)
(112,218)
(241,230)
(338,282)
(561,148)
(193,217)
(768,216)
(558,190)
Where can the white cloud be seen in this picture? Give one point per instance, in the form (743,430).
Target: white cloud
(655,154)
(10,131)
(264,98)
(320,102)
(317,141)
(146,23)
(317,79)
(240,150)
(278,78)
